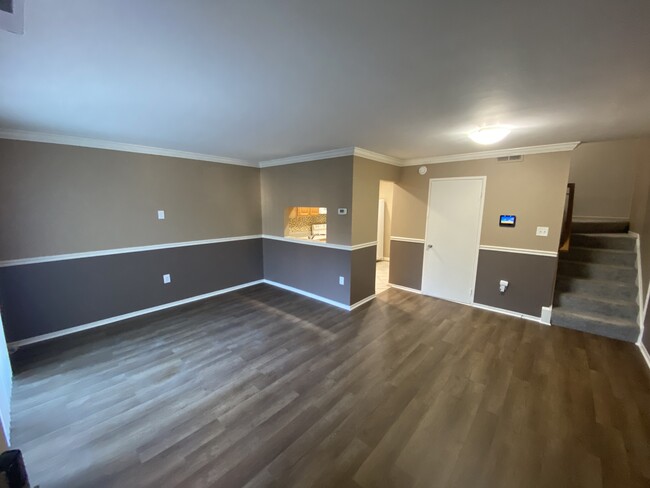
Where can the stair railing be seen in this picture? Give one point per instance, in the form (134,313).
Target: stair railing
(565,238)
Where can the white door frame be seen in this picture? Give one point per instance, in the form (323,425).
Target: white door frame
(480,225)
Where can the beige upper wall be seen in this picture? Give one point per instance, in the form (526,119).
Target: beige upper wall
(640,219)
(386,194)
(366,177)
(533,190)
(604,174)
(57,199)
(324,183)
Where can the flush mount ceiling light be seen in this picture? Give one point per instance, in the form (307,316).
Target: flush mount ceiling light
(490,134)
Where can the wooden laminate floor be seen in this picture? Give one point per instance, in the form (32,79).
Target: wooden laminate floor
(262,387)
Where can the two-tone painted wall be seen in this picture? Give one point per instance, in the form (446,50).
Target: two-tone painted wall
(343,269)
(82,245)
(533,190)
(81,241)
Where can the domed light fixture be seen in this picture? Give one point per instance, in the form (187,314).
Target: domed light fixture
(490,134)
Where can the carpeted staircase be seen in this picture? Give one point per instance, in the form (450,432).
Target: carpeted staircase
(596,288)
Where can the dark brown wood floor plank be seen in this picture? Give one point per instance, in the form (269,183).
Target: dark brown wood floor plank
(264,388)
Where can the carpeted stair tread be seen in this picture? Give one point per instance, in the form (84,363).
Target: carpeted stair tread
(617,289)
(598,226)
(596,288)
(618,257)
(597,304)
(615,328)
(591,296)
(598,271)
(604,241)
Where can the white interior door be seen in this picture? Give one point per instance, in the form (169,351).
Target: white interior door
(5,391)
(381,219)
(452,238)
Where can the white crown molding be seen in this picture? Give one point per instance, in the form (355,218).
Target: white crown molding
(497,153)
(334,153)
(123,250)
(374,156)
(20,135)
(303,158)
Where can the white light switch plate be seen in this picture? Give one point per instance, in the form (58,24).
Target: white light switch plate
(542,231)
(161,215)
(167,278)
(341,280)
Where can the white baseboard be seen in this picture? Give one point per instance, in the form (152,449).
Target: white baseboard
(318,297)
(361,302)
(405,288)
(644,352)
(137,313)
(511,313)
(478,305)
(308,294)
(546,315)
(72,330)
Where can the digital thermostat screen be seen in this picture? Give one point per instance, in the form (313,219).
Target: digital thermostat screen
(507,220)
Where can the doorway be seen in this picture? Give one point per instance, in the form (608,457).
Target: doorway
(453,229)
(384,220)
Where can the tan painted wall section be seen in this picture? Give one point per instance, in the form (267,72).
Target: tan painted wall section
(57,199)
(386,194)
(324,183)
(532,189)
(604,174)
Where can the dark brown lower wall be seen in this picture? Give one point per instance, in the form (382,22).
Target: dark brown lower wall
(406,264)
(364,269)
(314,269)
(38,299)
(531,281)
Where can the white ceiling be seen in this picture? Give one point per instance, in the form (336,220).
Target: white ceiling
(259,79)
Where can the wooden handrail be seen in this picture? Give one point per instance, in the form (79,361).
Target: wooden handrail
(565,239)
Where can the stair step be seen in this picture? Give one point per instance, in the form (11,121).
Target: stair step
(621,329)
(599,227)
(580,303)
(623,242)
(602,256)
(611,289)
(597,271)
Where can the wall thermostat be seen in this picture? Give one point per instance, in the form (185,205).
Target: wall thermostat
(422,170)
(507,220)
(343,211)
